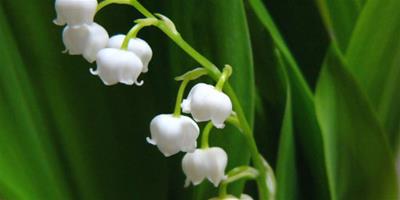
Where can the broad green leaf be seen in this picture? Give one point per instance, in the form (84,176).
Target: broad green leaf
(286,165)
(29,167)
(340,17)
(274,119)
(359,162)
(99,132)
(374,56)
(375,68)
(307,131)
(218,29)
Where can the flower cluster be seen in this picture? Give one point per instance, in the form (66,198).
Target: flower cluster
(122,58)
(82,36)
(173,133)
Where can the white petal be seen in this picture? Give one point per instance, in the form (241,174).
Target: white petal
(142,49)
(137,46)
(186,105)
(106,69)
(75,12)
(217,161)
(191,133)
(116,65)
(222,109)
(116,41)
(74,39)
(97,39)
(173,134)
(245,197)
(194,167)
(206,103)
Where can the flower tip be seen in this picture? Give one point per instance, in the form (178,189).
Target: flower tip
(139,83)
(220,126)
(167,154)
(150,141)
(93,72)
(127,82)
(185,106)
(58,22)
(187,183)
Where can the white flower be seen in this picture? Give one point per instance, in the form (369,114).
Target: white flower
(173,134)
(116,65)
(207,163)
(87,40)
(245,197)
(230,197)
(75,12)
(205,103)
(136,45)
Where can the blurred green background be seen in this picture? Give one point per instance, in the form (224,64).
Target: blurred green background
(318,79)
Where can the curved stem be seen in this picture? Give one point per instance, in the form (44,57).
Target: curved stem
(205,135)
(131,34)
(226,73)
(248,133)
(179,97)
(108,2)
(215,74)
(141,23)
(234,121)
(242,172)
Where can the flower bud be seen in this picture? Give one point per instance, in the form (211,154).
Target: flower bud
(116,65)
(205,103)
(173,134)
(136,45)
(75,12)
(205,163)
(87,40)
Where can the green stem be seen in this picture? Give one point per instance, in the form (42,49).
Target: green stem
(131,34)
(248,133)
(108,2)
(215,74)
(205,135)
(227,72)
(179,97)
(238,173)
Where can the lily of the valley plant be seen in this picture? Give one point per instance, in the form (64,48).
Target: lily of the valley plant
(123,58)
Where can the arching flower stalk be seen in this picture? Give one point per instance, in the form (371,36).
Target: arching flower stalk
(122,58)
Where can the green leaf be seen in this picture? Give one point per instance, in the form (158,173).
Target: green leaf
(98,132)
(359,163)
(375,68)
(340,17)
(27,160)
(374,56)
(307,130)
(286,166)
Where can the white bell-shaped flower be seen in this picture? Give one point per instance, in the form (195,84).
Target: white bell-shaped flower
(206,103)
(136,45)
(116,65)
(75,12)
(87,40)
(230,197)
(173,134)
(207,163)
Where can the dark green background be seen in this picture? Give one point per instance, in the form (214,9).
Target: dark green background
(65,135)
